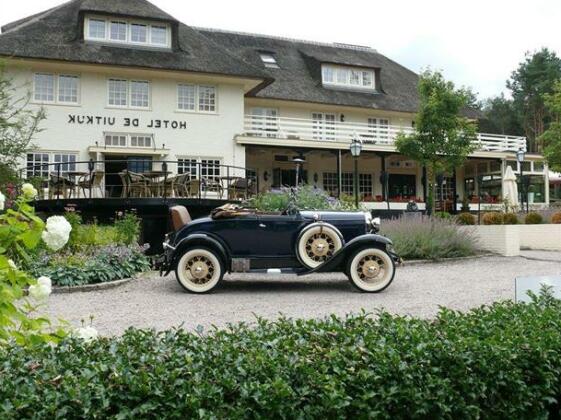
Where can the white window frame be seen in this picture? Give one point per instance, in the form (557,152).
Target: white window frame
(129,93)
(128,40)
(269,60)
(51,163)
(342,77)
(198,162)
(197,99)
(56,89)
(128,140)
(324,126)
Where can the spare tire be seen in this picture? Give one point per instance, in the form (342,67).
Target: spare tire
(317,243)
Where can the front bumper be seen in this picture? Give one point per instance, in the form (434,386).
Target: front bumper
(396,258)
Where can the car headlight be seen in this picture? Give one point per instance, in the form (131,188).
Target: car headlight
(376,224)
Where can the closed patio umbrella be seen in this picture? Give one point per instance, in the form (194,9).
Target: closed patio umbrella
(510,187)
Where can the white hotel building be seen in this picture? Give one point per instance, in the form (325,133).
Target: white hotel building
(123,80)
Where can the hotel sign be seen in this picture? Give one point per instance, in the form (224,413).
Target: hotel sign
(74,119)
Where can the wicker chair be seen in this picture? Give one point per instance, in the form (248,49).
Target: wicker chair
(92,183)
(212,184)
(59,185)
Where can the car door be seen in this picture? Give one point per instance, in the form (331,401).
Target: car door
(276,235)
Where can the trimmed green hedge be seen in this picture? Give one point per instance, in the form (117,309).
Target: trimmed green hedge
(502,361)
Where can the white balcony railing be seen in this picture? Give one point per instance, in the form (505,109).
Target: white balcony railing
(326,130)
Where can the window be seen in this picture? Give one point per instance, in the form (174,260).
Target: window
(159,35)
(187,166)
(323,126)
(141,141)
(207,99)
(196,98)
(37,165)
(347,183)
(68,89)
(403,187)
(365,184)
(139,33)
(264,122)
(140,94)
(125,31)
(116,140)
(118,31)
(44,87)
(128,140)
(378,128)
(186,96)
(330,183)
(123,93)
(355,78)
(96,29)
(269,60)
(68,162)
(209,167)
(117,92)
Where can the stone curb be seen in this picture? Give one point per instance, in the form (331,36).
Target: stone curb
(407,263)
(93,287)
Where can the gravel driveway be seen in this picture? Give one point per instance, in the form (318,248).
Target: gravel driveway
(419,290)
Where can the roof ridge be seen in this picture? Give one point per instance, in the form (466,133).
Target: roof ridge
(20,23)
(289,39)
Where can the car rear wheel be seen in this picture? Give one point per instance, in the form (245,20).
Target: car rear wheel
(371,270)
(199,270)
(317,243)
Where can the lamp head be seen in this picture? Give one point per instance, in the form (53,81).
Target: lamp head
(520,155)
(356,147)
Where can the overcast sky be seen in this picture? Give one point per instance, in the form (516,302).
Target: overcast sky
(475,43)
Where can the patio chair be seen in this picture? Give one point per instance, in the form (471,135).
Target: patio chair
(134,184)
(240,189)
(92,183)
(212,184)
(60,185)
(166,187)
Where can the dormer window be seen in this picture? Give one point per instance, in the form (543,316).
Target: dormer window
(348,77)
(127,31)
(269,60)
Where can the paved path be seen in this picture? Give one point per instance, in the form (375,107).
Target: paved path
(417,290)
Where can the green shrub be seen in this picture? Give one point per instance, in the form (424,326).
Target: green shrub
(510,219)
(493,218)
(465,219)
(92,235)
(442,215)
(501,361)
(533,218)
(429,238)
(303,198)
(91,266)
(127,227)
(556,218)
(75,221)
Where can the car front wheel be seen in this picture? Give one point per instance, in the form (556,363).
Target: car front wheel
(199,270)
(371,270)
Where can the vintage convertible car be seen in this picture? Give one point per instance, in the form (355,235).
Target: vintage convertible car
(238,240)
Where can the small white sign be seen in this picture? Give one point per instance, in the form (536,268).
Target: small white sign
(534,284)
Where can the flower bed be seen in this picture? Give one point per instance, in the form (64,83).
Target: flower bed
(92,265)
(502,361)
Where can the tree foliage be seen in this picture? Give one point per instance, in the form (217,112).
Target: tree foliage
(18,125)
(551,138)
(500,117)
(443,138)
(530,82)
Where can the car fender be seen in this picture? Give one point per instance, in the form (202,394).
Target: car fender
(204,240)
(339,260)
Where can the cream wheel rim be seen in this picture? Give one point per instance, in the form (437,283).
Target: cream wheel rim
(372,269)
(318,244)
(199,270)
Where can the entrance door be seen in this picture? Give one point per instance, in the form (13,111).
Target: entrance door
(402,186)
(116,164)
(287,177)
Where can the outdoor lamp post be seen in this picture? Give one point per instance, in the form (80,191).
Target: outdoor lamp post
(299,161)
(520,155)
(356,148)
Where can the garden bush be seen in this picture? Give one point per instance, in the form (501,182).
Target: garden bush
(493,218)
(465,219)
(302,198)
(91,266)
(556,218)
(500,361)
(429,238)
(510,219)
(533,218)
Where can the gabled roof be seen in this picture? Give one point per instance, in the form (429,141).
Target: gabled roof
(57,34)
(299,75)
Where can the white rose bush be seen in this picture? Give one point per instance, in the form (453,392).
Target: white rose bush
(21,231)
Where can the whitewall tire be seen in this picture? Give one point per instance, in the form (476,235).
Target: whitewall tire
(199,270)
(317,243)
(371,270)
